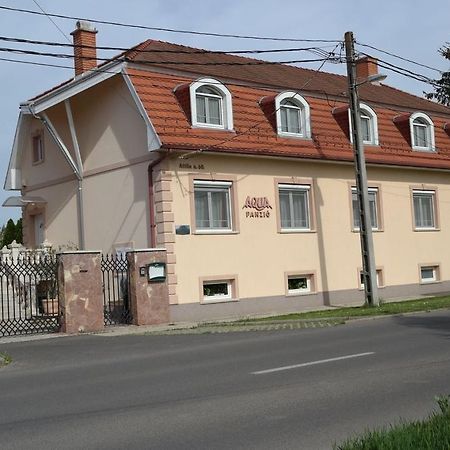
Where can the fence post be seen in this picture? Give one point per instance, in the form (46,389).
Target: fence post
(149,300)
(80,291)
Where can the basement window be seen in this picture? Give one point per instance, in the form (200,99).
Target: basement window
(299,284)
(429,274)
(217,290)
(380,280)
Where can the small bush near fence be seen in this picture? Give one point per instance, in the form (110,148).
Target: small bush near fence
(432,433)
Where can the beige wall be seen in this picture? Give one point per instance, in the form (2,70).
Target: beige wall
(116,205)
(112,138)
(260,255)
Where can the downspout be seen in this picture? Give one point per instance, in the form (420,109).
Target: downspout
(151,200)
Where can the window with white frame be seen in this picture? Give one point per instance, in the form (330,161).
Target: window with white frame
(424,209)
(211,105)
(369,124)
(422,132)
(294,207)
(429,274)
(217,290)
(212,205)
(293,115)
(38,148)
(299,284)
(373,208)
(379,275)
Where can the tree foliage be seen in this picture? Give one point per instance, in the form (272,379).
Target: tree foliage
(11,232)
(442,89)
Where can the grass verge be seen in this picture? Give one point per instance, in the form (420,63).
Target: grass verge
(432,433)
(427,304)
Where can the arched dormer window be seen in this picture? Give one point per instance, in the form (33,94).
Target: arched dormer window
(422,132)
(369,124)
(211,104)
(293,116)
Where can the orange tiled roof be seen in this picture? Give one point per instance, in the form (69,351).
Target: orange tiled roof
(253,133)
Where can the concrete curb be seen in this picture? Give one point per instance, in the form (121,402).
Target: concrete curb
(225,326)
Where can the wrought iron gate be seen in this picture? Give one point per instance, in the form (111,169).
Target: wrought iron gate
(116,286)
(29,301)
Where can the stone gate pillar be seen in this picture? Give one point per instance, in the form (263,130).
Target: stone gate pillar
(80,291)
(149,299)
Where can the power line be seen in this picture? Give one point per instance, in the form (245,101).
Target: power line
(173,77)
(190,63)
(168,30)
(257,124)
(51,20)
(399,57)
(407,73)
(317,50)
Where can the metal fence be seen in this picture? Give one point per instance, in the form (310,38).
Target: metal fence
(29,300)
(116,286)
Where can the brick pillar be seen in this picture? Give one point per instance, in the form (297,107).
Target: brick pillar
(80,292)
(149,300)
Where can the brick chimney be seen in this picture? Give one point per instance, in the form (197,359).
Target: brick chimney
(84,51)
(365,67)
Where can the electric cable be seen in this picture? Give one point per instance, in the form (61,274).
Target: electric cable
(168,30)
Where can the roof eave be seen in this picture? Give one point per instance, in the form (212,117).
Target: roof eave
(77,85)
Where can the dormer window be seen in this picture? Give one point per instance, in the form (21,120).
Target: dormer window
(211,104)
(293,116)
(369,125)
(422,132)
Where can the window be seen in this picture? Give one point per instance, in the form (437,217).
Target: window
(369,125)
(422,132)
(294,207)
(212,205)
(38,148)
(424,209)
(373,205)
(299,284)
(429,274)
(211,105)
(220,289)
(380,281)
(217,290)
(293,115)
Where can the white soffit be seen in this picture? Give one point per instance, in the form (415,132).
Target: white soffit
(79,84)
(13,175)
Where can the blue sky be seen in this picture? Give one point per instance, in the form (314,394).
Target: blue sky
(405,28)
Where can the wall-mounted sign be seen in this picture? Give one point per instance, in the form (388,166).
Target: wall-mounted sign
(258,206)
(185,165)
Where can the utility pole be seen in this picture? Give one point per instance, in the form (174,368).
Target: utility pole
(362,192)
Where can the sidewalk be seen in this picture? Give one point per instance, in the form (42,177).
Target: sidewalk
(223,326)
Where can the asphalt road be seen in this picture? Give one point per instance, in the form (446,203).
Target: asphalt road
(220,391)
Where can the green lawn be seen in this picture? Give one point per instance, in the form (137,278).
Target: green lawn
(432,433)
(427,304)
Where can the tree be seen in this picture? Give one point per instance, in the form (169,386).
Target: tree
(19,234)
(442,88)
(11,232)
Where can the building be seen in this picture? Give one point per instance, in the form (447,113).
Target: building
(242,170)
